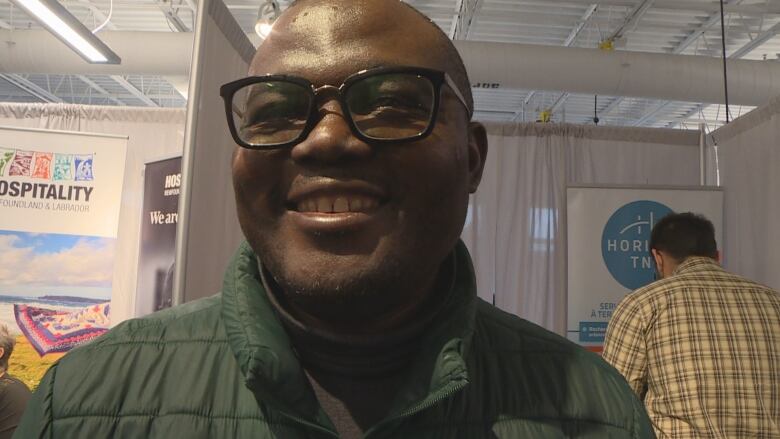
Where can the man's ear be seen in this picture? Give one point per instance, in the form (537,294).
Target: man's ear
(477,153)
(659,259)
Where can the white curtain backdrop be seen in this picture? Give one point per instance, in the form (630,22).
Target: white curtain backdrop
(750,174)
(516,222)
(153,133)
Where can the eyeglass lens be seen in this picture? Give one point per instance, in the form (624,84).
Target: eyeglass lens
(389,106)
(272,112)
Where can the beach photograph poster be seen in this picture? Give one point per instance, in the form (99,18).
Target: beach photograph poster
(60,195)
(55,293)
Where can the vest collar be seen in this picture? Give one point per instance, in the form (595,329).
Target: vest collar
(273,373)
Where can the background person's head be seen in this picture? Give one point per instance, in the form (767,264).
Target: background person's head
(7,342)
(678,236)
(362,267)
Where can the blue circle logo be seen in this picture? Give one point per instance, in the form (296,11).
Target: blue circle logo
(625,243)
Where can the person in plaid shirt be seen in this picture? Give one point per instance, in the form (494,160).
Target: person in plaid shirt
(701,346)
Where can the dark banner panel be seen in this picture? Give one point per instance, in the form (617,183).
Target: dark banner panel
(157,252)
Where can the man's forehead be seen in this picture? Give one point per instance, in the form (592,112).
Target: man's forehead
(322,69)
(327,43)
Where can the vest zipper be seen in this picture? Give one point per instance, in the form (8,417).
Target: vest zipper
(444,394)
(312,425)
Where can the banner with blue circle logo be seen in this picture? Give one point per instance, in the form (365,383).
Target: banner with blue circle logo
(608,248)
(625,242)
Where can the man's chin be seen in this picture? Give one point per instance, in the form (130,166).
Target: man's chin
(339,299)
(334,281)
(345,281)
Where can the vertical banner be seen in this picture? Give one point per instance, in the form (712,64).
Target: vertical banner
(162,180)
(60,195)
(608,250)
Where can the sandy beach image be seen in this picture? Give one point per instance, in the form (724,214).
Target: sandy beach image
(55,292)
(27,365)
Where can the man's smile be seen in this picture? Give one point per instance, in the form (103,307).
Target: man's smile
(322,204)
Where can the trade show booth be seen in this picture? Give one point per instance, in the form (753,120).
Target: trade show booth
(519,225)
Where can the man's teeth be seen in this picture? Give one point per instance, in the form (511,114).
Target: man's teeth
(340,204)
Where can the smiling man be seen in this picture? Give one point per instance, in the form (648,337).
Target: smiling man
(352,310)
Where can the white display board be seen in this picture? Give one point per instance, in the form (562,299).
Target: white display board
(61,182)
(60,196)
(608,251)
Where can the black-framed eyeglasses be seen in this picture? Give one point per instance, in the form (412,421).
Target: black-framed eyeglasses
(381,105)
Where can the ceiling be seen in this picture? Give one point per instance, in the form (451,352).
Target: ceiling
(665,26)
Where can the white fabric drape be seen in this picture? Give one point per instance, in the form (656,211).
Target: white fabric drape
(516,222)
(749,158)
(153,133)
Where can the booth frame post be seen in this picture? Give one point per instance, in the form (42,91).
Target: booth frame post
(188,159)
(702,155)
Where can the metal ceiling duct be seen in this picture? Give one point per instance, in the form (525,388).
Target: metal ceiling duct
(619,73)
(150,53)
(490,65)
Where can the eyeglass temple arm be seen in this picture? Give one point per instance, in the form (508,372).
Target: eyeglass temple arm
(457,92)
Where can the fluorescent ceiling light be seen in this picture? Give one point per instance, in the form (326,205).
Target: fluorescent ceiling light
(54,17)
(266,15)
(263,28)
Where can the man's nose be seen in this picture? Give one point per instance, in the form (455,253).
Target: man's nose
(331,140)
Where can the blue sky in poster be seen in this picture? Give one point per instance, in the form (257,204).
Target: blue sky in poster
(38,264)
(44,243)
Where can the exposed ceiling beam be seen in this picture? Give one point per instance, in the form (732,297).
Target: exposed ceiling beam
(133,90)
(655,109)
(681,46)
(697,33)
(632,19)
(171,14)
(530,96)
(97,13)
(87,94)
(739,53)
(611,106)
(173,18)
(687,115)
(698,120)
(581,24)
(559,102)
(760,39)
(575,32)
(191,4)
(521,111)
(770,7)
(584,20)
(99,89)
(463,20)
(29,87)
(712,20)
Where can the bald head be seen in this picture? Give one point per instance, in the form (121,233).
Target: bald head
(351,35)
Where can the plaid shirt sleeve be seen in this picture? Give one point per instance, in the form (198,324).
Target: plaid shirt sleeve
(624,345)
